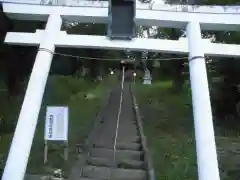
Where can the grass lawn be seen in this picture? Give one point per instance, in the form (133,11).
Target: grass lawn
(168,125)
(71,92)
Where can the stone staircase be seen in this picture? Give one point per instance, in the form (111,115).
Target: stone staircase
(129,157)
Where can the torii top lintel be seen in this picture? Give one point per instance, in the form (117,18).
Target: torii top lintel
(210,17)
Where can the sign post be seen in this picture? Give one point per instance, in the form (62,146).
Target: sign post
(56,128)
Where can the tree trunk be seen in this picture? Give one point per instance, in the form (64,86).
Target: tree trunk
(178,79)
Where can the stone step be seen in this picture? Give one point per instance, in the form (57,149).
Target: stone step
(42,177)
(121,163)
(83,178)
(121,145)
(130,164)
(120,154)
(36,177)
(130,122)
(128,146)
(103,173)
(129,132)
(128,138)
(99,161)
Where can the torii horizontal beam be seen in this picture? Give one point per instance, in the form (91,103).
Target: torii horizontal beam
(94,12)
(138,44)
(213,9)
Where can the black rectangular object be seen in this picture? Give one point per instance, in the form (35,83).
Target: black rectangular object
(121,19)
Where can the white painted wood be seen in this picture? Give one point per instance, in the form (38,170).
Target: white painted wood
(98,13)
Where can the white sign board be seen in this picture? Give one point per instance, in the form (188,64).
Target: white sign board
(56,124)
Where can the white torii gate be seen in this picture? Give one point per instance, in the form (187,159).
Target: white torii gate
(52,37)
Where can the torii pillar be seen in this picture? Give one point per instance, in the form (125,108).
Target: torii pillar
(24,133)
(203,123)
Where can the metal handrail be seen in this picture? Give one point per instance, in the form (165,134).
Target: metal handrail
(117,124)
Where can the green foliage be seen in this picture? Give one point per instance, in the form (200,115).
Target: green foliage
(71,92)
(168,125)
(9,109)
